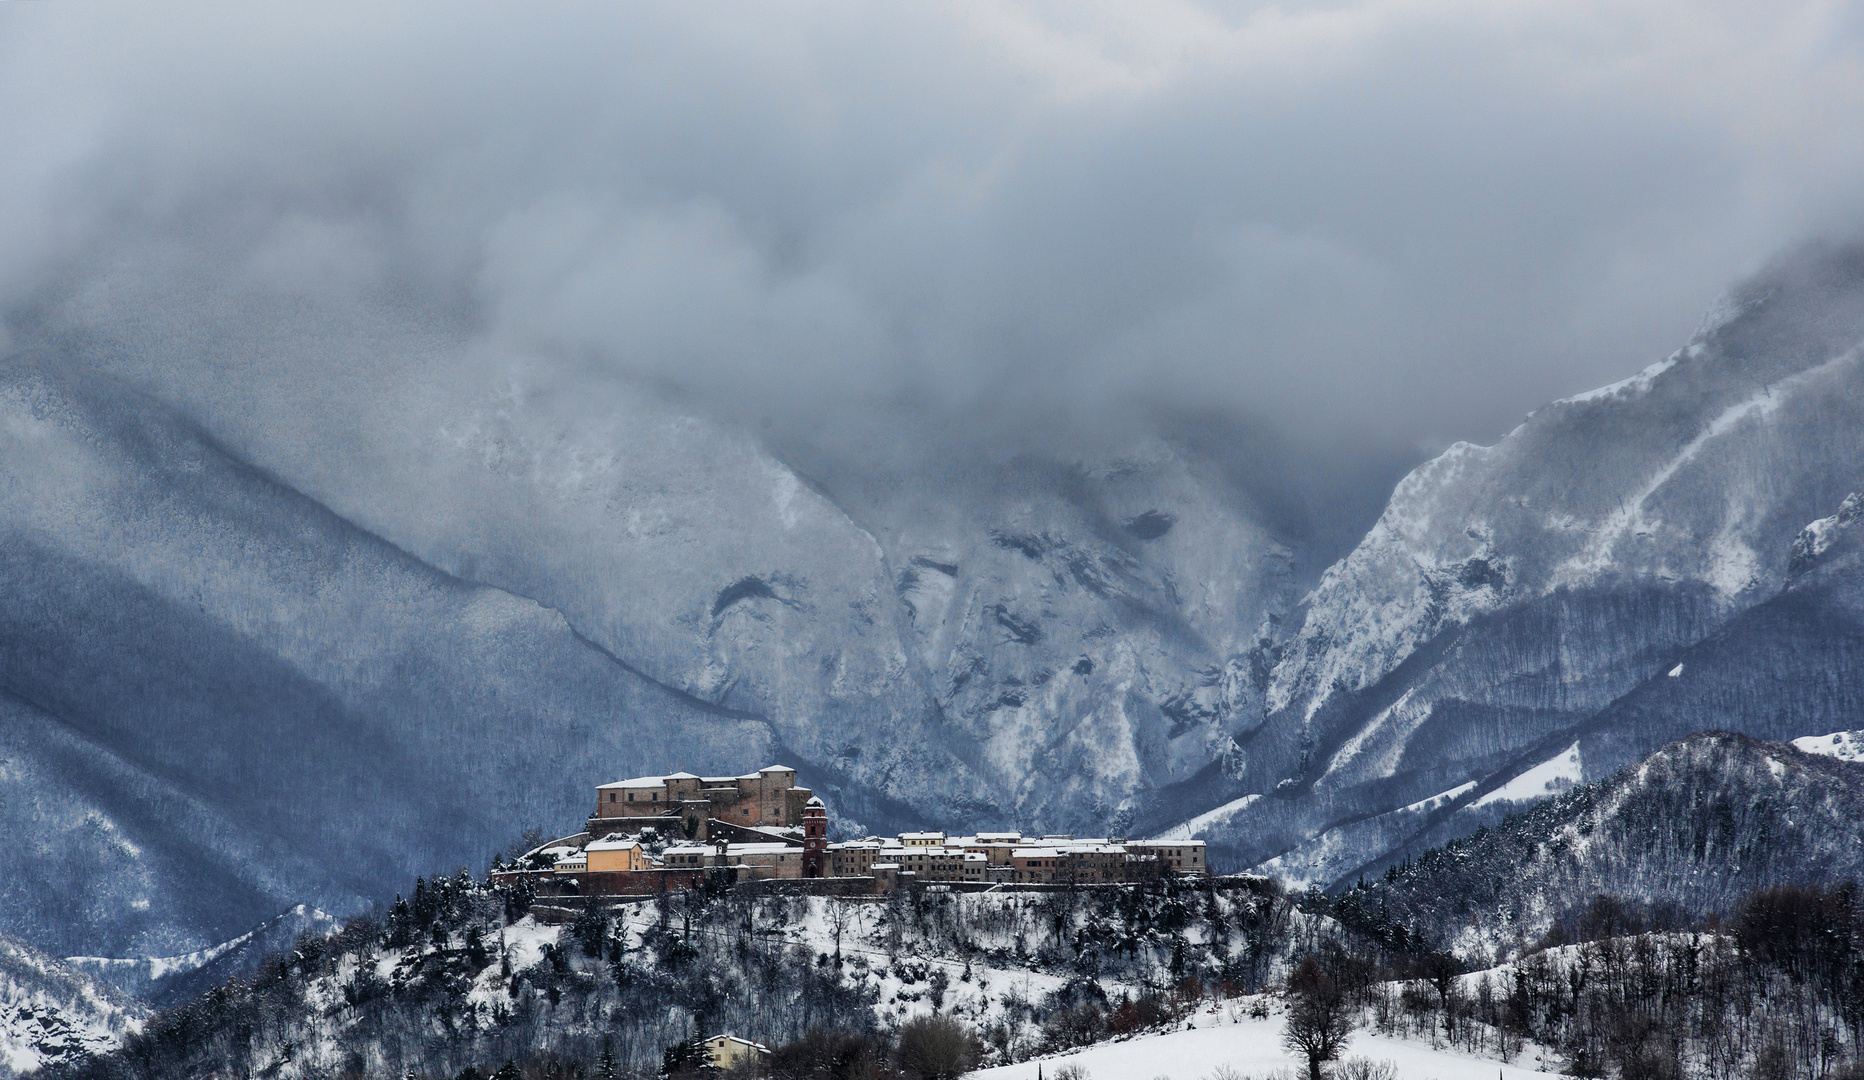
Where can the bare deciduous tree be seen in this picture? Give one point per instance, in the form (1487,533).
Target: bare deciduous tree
(1318,1025)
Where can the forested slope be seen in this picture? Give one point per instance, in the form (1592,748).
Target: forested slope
(1683,835)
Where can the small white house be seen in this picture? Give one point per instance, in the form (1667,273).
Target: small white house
(729,1051)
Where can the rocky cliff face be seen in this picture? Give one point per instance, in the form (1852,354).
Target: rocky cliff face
(1516,599)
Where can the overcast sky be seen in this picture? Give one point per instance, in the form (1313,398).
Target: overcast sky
(1412,220)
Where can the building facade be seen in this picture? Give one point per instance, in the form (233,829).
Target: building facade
(768,797)
(728,1052)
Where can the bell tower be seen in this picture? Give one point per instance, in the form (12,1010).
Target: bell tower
(815,838)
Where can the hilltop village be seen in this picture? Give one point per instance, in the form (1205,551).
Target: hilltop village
(655,833)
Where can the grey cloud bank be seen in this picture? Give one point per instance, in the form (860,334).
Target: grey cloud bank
(1391,222)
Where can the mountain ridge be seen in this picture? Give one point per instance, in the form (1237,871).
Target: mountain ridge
(1514,597)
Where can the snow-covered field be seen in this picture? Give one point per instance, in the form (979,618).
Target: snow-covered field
(1252,1047)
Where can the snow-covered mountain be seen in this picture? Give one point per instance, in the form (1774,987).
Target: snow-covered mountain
(51,1014)
(221,700)
(1625,567)
(164,981)
(1695,827)
(224,697)
(234,682)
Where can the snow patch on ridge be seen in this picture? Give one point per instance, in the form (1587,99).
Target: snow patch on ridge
(1636,384)
(1208,819)
(1550,777)
(1375,750)
(1442,798)
(156,968)
(1843,745)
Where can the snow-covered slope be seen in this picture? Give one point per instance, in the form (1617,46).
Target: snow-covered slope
(50,1013)
(223,698)
(1697,825)
(164,981)
(1512,596)
(461,976)
(1252,1047)
(218,700)
(1843,745)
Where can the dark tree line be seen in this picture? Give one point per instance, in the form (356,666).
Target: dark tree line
(1773,991)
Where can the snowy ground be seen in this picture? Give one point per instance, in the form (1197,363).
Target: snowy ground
(1253,1048)
(901,977)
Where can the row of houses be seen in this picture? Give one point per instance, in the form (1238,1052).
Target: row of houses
(1012,858)
(773,830)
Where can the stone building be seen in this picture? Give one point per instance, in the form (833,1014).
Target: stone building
(1079,863)
(749,862)
(1174,856)
(762,827)
(768,797)
(815,838)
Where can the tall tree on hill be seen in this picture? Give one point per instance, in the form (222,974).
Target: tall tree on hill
(1318,1026)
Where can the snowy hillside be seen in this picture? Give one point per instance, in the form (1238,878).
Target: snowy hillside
(1253,1048)
(1693,828)
(1037,647)
(1518,599)
(50,1013)
(219,700)
(163,981)
(459,974)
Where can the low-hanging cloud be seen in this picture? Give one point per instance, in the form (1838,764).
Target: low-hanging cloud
(1401,219)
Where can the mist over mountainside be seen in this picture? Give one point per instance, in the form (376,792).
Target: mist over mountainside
(1114,642)
(223,700)
(228,699)
(1694,828)
(1520,600)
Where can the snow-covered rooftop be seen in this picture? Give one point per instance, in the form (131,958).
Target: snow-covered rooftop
(761,849)
(640,782)
(614,843)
